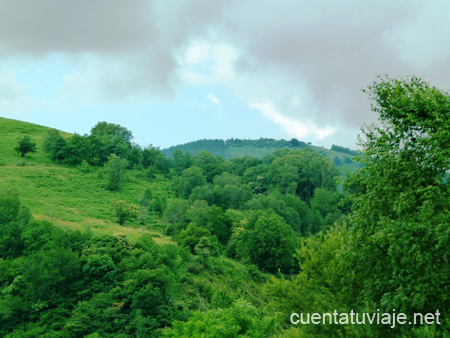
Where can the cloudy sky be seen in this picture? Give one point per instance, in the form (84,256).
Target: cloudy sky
(178,71)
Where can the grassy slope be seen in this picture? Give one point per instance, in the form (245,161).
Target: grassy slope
(63,195)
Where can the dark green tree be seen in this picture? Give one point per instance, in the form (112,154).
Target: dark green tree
(25,146)
(211,218)
(192,235)
(268,242)
(210,164)
(77,149)
(54,144)
(181,161)
(111,130)
(191,178)
(300,172)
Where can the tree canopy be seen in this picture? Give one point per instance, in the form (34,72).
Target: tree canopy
(25,146)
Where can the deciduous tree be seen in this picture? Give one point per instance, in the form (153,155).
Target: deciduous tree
(115,169)
(25,146)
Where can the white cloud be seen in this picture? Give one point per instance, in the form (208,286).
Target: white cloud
(207,62)
(301,130)
(213,99)
(198,52)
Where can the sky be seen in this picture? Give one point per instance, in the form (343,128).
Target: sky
(178,71)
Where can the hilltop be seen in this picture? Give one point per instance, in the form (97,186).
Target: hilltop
(234,148)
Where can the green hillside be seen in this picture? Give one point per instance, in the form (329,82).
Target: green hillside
(64,195)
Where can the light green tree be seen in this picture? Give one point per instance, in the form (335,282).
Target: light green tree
(125,212)
(400,247)
(115,170)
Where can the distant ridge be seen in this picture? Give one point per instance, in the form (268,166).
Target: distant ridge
(233,148)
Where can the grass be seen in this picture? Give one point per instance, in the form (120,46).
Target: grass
(64,195)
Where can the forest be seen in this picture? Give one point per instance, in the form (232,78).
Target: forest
(100,237)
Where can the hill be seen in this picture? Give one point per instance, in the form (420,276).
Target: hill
(67,196)
(234,148)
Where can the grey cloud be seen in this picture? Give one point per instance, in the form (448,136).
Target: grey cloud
(332,49)
(135,42)
(336,50)
(74,26)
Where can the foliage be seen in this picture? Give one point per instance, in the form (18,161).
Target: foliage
(210,165)
(242,319)
(115,170)
(25,146)
(344,150)
(400,199)
(113,280)
(65,283)
(326,204)
(125,212)
(191,178)
(294,211)
(320,287)
(394,254)
(268,242)
(192,235)
(54,145)
(175,215)
(211,218)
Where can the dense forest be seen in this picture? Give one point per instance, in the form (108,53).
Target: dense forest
(233,148)
(220,147)
(228,247)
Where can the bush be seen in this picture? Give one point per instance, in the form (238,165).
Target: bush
(125,212)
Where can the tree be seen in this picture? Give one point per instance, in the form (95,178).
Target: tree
(326,203)
(9,206)
(191,178)
(191,236)
(125,212)
(12,219)
(241,319)
(148,196)
(268,242)
(399,254)
(54,144)
(111,130)
(300,172)
(181,161)
(108,138)
(25,146)
(210,164)
(77,149)
(115,169)
(211,218)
